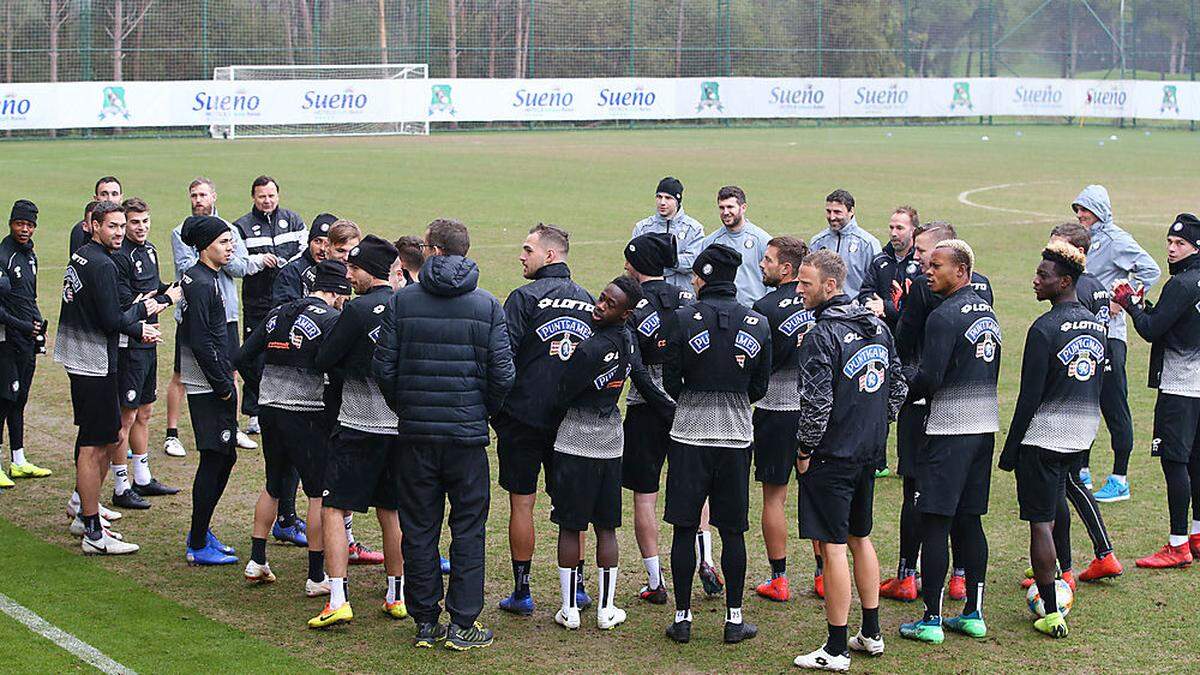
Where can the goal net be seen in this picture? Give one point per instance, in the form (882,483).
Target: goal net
(321,72)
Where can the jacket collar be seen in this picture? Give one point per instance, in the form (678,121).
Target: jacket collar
(558,269)
(24,248)
(1188,263)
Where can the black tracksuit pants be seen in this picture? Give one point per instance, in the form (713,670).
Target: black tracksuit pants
(428,476)
(1114,406)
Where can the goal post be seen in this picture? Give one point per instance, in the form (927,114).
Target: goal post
(250,73)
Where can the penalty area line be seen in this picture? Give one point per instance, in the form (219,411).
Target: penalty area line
(78,648)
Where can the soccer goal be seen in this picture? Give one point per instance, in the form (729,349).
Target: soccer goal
(398,71)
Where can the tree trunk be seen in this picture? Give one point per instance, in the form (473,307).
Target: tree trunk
(383,33)
(519,39)
(493,26)
(288,27)
(452,36)
(1173,56)
(1073,51)
(52,39)
(118,36)
(306,21)
(678,42)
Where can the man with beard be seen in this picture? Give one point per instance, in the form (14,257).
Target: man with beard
(883,289)
(744,237)
(856,247)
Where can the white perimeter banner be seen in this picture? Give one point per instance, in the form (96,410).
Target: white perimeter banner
(278,102)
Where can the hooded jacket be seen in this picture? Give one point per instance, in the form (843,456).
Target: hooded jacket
(346,354)
(1114,254)
(856,246)
(850,384)
(18,307)
(751,242)
(1172,327)
(689,234)
(290,338)
(443,360)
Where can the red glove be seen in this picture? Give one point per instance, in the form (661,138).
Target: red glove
(897,295)
(1123,294)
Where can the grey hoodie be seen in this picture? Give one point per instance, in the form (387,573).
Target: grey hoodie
(856,246)
(1114,254)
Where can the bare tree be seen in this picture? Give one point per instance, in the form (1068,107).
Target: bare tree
(452,35)
(679,42)
(383,42)
(60,12)
(125,15)
(493,29)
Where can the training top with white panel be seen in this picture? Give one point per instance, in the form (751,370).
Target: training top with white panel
(1058,407)
(588,392)
(960,364)
(291,336)
(661,298)
(1173,329)
(718,363)
(137,274)
(547,318)
(347,352)
(789,322)
(91,316)
(204,365)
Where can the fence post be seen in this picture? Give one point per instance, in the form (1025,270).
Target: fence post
(531,46)
(1190,52)
(85,40)
(316,32)
(425,38)
(630,68)
(204,39)
(820,38)
(905,44)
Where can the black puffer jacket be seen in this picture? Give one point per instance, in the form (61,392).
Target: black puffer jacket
(443,359)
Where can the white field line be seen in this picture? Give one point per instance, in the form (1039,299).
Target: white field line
(964,197)
(80,649)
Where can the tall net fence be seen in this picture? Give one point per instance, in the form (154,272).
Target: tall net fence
(65,40)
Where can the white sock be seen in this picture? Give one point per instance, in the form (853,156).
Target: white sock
(391,591)
(704,539)
(1123,480)
(733,615)
(337,592)
(400,588)
(653,572)
(73,502)
(608,588)
(348,521)
(141,469)
(120,475)
(683,615)
(1177,539)
(1196,527)
(18,456)
(567,578)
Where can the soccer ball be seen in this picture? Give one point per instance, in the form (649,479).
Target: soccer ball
(1062,593)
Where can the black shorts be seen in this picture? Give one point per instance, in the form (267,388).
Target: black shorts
(1176,428)
(910,437)
(523,450)
(97,413)
(587,491)
(646,439)
(775,445)
(137,377)
(954,475)
(837,500)
(359,473)
(1042,477)
(175,367)
(231,332)
(293,439)
(720,475)
(214,423)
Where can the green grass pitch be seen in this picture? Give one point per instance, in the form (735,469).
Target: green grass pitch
(154,614)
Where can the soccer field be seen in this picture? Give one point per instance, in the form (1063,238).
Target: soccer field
(154,614)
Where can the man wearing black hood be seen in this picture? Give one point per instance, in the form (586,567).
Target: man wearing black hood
(23,327)
(850,387)
(718,362)
(444,358)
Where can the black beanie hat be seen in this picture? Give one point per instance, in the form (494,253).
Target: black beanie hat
(320,226)
(23,209)
(1186,226)
(374,255)
(330,275)
(671,186)
(200,231)
(717,263)
(651,253)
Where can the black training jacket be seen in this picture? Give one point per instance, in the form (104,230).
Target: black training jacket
(661,298)
(443,360)
(290,337)
(18,307)
(886,268)
(1058,407)
(347,352)
(717,344)
(77,238)
(960,364)
(295,279)
(1172,327)
(137,274)
(850,385)
(596,372)
(547,318)
(91,316)
(204,347)
(915,310)
(282,233)
(789,320)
